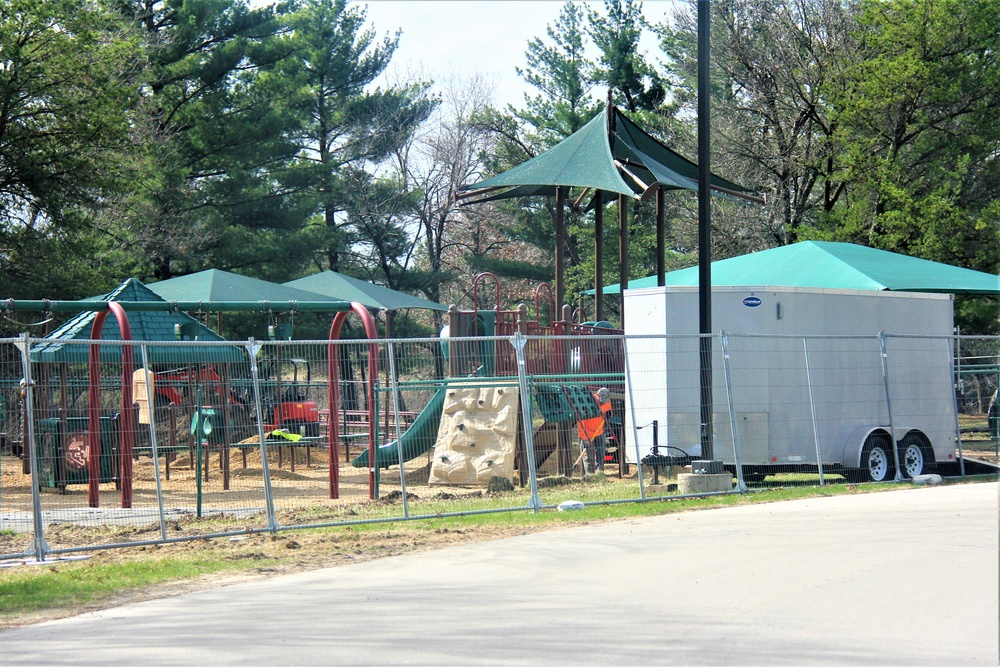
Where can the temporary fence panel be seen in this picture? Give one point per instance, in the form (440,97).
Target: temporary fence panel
(921,385)
(766,374)
(977,369)
(17,527)
(239,434)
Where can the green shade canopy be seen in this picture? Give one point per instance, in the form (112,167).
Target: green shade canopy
(337,286)
(214,285)
(591,158)
(145,326)
(832,266)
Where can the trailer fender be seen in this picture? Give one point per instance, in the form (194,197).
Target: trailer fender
(854,441)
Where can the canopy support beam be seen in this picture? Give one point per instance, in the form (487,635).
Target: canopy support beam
(661,240)
(622,250)
(560,242)
(599,256)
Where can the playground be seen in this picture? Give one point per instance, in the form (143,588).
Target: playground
(174,424)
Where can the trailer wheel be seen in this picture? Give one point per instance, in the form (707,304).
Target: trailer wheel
(912,456)
(876,460)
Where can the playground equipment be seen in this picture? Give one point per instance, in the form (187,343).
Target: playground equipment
(287,403)
(479,347)
(466,417)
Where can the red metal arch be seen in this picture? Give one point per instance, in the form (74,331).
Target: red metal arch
(94,463)
(333,392)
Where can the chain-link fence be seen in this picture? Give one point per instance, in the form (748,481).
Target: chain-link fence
(116,443)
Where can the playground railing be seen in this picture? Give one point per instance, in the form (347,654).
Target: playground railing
(176,440)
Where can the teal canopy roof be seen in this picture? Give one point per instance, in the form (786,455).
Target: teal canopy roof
(832,266)
(215,285)
(145,326)
(592,158)
(337,286)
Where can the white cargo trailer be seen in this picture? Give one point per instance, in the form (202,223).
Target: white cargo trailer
(808,378)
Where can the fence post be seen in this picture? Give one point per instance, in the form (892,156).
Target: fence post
(394,385)
(28,393)
(253,348)
(737,460)
(519,341)
(888,404)
(154,454)
(956,362)
(812,410)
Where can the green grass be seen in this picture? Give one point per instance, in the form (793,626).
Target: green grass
(601,509)
(75,583)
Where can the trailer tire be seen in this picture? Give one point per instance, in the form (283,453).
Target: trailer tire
(876,459)
(913,456)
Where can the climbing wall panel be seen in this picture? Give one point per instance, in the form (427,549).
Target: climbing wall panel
(477,437)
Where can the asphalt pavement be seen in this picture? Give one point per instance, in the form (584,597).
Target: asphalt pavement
(905,577)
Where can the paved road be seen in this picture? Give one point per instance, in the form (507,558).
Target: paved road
(906,577)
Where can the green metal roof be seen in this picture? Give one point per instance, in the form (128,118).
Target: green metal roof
(591,158)
(340,287)
(145,326)
(219,286)
(832,266)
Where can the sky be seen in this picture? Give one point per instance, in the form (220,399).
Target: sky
(465,37)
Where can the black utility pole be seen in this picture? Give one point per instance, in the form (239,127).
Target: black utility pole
(704,228)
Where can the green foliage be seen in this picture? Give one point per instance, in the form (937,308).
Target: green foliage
(873,122)
(918,129)
(622,66)
(346,130)
(69,71)
(563,76)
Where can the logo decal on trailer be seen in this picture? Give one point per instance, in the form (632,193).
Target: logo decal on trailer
(752,301)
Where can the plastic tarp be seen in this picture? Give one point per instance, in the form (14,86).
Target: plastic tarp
(832,265)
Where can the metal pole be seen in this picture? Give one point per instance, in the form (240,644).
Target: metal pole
(28,389)
(812,410)
(519,341)
(622,252)
(152,440)
(954,399)
(661,239)
(888,404)
(394,384)
(598,256)
(198,447)
(560,242)
(737,459)
(252,349)
(45,305)
(704,225)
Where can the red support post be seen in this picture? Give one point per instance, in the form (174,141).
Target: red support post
(94,413)
(333,392)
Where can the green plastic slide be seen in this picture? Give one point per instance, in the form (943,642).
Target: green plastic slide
(420,437)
